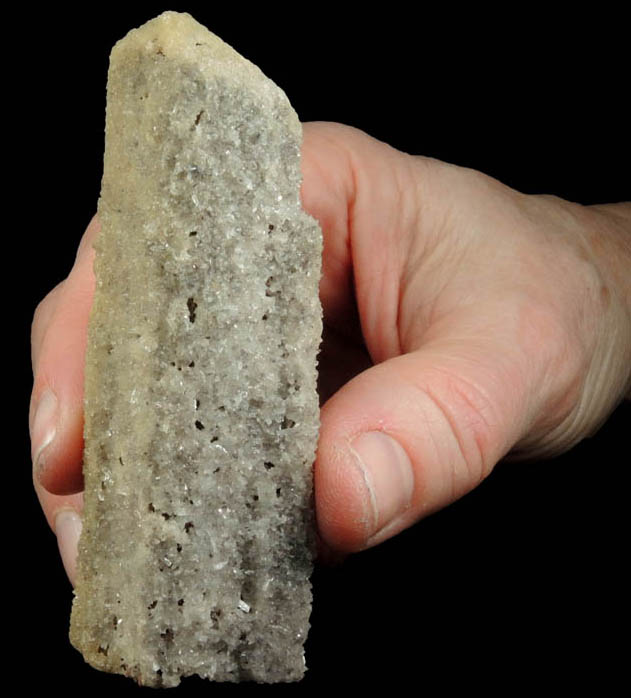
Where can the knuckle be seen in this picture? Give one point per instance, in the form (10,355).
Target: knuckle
(46,306)
(42,318)
(470,419)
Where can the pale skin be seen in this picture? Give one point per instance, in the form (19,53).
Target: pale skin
(464,322)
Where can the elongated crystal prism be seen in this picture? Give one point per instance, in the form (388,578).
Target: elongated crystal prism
(201,413)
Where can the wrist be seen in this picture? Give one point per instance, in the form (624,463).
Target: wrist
(611,248)
(610,244)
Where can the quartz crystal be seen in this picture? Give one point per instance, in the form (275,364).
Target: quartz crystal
(201,413)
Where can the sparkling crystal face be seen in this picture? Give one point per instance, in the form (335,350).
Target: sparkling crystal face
(201,407)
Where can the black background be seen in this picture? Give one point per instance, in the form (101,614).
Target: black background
(519,583)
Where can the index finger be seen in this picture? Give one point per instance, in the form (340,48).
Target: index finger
(59,335)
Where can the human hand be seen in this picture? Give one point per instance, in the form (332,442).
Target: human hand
(496,322)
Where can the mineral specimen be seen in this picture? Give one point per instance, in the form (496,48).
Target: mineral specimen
(201,414)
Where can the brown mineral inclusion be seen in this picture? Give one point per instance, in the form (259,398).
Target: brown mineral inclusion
(201,413)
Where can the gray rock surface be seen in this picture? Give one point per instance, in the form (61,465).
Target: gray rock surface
(201,413)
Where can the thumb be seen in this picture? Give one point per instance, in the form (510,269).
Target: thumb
(410,435)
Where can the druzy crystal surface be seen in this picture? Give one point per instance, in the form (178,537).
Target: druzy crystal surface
(201,414)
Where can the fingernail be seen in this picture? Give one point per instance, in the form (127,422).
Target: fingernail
(388,475)
(68,530)
(44,427)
